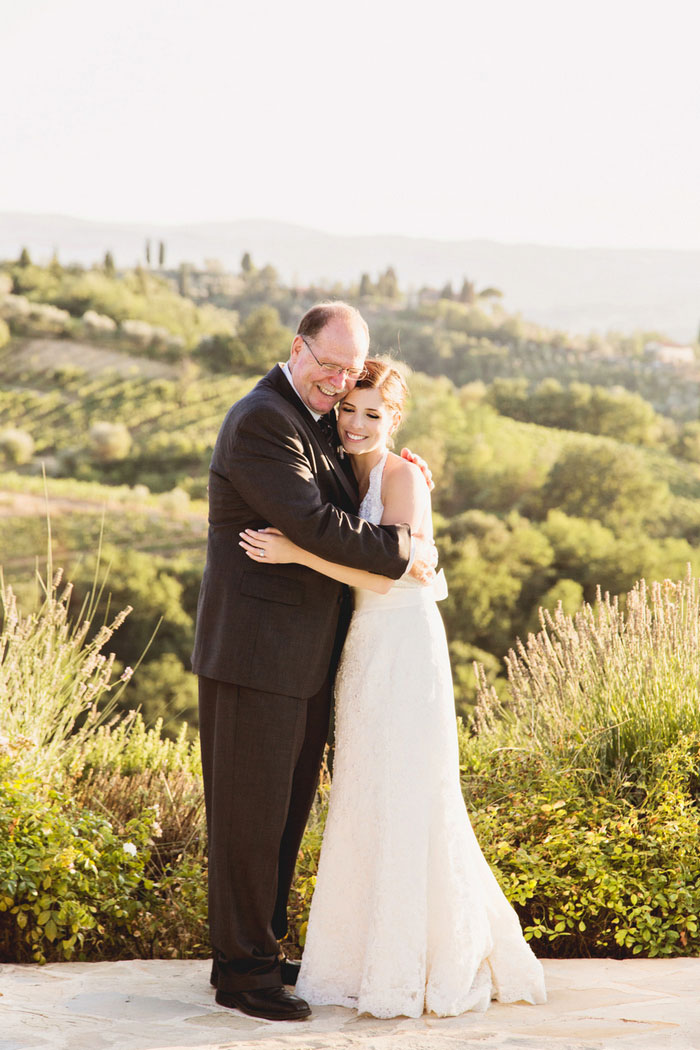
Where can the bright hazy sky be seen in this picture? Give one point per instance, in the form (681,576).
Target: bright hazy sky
(546,121)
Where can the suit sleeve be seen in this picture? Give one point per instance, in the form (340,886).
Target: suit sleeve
(267,465)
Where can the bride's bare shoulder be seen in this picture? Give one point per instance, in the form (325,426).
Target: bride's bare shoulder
(405,494)
(400,474)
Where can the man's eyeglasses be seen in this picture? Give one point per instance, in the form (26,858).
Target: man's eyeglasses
(334,370)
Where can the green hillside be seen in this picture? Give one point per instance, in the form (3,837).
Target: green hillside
(527,514)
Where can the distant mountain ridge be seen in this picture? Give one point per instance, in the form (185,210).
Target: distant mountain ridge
(577,289)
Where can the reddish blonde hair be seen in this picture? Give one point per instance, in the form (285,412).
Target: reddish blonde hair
(384,377)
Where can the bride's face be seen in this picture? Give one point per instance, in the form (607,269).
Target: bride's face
(364,421)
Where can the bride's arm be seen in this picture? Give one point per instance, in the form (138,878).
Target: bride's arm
(406,500)
(269,545)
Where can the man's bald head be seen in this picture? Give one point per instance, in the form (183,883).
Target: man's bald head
(315,319)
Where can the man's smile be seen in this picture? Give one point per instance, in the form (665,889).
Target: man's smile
(330,392)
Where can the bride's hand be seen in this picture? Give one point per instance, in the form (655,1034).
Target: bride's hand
(425,560)
(268,545)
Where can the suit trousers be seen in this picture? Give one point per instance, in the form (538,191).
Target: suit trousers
(261,756)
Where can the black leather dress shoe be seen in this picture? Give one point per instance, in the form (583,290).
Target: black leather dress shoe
(273,1004)
(290,971)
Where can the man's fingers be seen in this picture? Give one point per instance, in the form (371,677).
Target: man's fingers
(422,466)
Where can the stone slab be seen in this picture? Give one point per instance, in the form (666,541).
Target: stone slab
(594,1004)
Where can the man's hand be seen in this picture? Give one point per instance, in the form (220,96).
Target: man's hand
(424,561)
(421,464)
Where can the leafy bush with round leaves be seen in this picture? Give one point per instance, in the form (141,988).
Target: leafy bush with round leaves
(614,873)
(70,885)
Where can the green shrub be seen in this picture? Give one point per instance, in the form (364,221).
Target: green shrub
(129,769)
(16,446)
(176,925)
(173,916)
(109,441)
(594,874)
(69,884)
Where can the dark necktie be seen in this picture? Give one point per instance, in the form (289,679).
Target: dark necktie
(327,428)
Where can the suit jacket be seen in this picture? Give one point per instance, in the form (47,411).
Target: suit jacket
(272,627)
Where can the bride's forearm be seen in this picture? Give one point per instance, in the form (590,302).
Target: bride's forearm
(271,546)
(368,581)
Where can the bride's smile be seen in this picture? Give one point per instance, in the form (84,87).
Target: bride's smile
(365,422)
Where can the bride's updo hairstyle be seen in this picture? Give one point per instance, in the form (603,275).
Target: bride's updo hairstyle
(382,375)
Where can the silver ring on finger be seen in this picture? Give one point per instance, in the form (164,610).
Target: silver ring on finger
(261,552)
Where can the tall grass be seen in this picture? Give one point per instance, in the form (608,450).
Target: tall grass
(605,691)
(57,685)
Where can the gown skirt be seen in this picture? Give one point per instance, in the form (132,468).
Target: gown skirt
(407,915)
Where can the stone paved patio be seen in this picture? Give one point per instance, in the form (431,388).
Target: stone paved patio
(640,1004)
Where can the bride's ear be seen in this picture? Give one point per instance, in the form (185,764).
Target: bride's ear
(396,423)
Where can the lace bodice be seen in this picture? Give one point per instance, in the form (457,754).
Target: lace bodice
(372,508)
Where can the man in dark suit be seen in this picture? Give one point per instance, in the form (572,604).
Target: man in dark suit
(268,641)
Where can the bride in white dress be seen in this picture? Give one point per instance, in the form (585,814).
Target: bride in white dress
(406,916)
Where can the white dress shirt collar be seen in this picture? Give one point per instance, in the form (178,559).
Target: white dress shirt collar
(287,372)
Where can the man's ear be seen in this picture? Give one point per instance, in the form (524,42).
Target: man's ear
(296,348)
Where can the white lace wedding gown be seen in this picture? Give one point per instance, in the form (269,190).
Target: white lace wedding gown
(406,916)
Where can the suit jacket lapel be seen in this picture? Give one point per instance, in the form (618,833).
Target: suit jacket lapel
(278,380)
